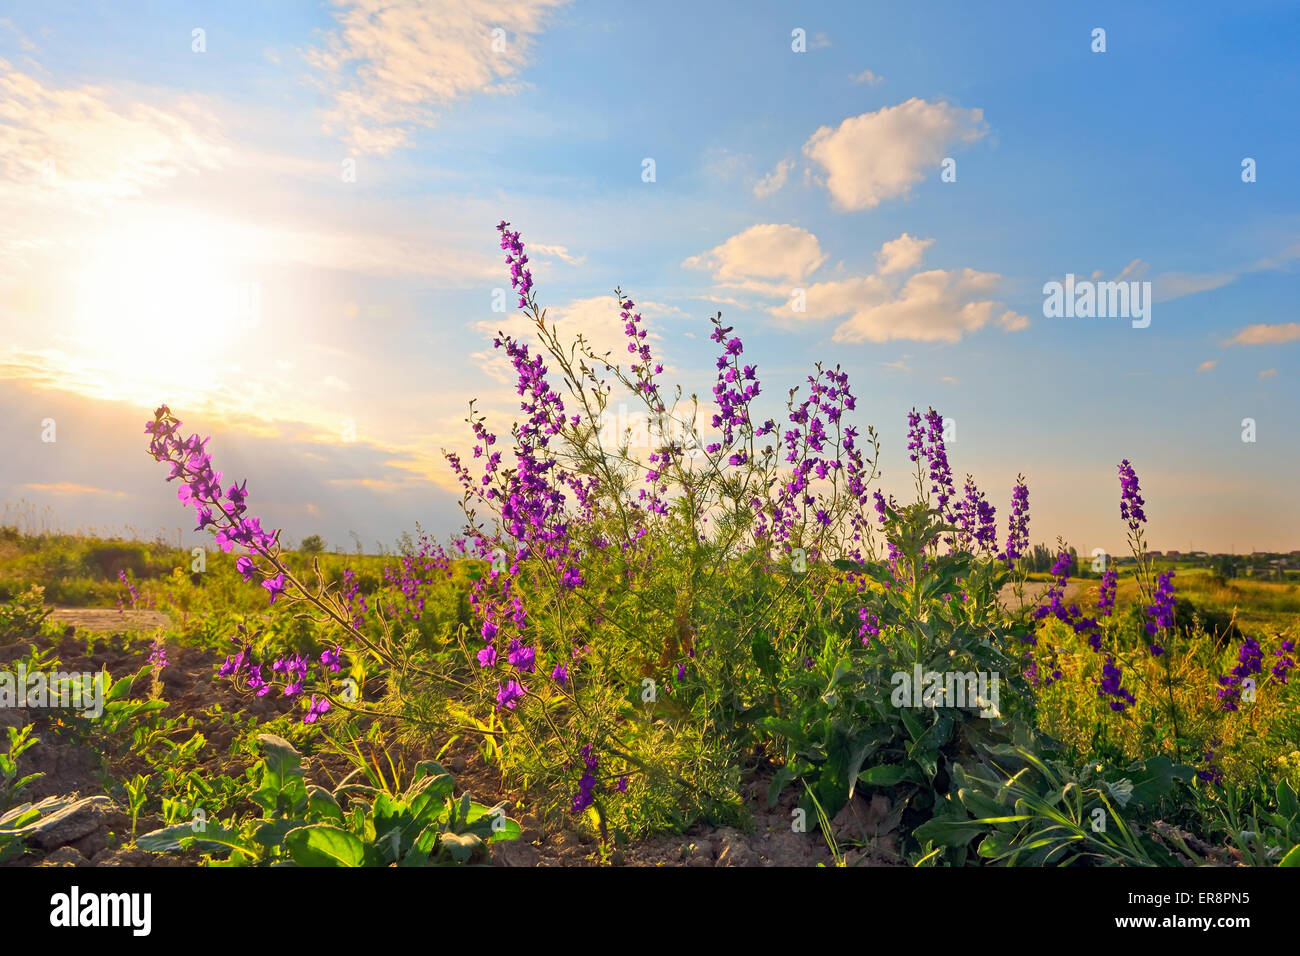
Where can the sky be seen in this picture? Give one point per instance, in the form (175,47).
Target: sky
(279,219)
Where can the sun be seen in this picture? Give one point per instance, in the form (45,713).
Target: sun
(160,303)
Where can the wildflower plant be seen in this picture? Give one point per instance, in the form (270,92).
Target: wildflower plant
(617,620)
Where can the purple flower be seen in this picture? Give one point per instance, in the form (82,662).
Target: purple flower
(1017,523)
(1160,613)
(158,654)
(233,665)
(245,566)
(521,657)
(1250,661)
(870,625)
(487,657)
(1213,772)
(331,659)
(316,709)
(1110,687)
(587,785)
(561,674)
(1106,596)
(1130,501)
(275,585)
(1285,663)
(257,682)
(509,693)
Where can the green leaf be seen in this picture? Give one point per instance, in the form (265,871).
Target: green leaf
(281,757)
(323,845)
(271,834)
(1292,858)
(888,774)
(461,846)
(913,725)
(166,840)
(865,748)
(1286,801)
(1152,779)
(322,805)
(947,832)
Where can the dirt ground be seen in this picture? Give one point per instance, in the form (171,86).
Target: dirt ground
(1034,591)
(109,620)
(96,836)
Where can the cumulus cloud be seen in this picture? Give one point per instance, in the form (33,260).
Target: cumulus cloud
(1261,333)
(933,306)
(764,252)
(824,300)
(391,65)
(901,254)
(877,156)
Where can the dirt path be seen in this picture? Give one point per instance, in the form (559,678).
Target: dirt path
(1034,592)
(107,619)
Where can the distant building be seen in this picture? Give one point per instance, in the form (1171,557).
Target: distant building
(1156,554)
(1173,555)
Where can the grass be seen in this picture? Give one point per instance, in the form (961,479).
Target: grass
(206,610)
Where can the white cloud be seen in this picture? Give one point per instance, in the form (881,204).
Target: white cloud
(774,180)
(901,254)
(880,155)
(769,251)
(934,306)
(560,252)
(1268,373)
(1207,365)
(1013,321)
(392,64)
(825,300)
(76,145)
(867,77)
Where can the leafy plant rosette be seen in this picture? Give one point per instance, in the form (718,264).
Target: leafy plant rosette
(353,825)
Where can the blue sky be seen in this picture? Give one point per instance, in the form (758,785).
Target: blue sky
(141,180)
